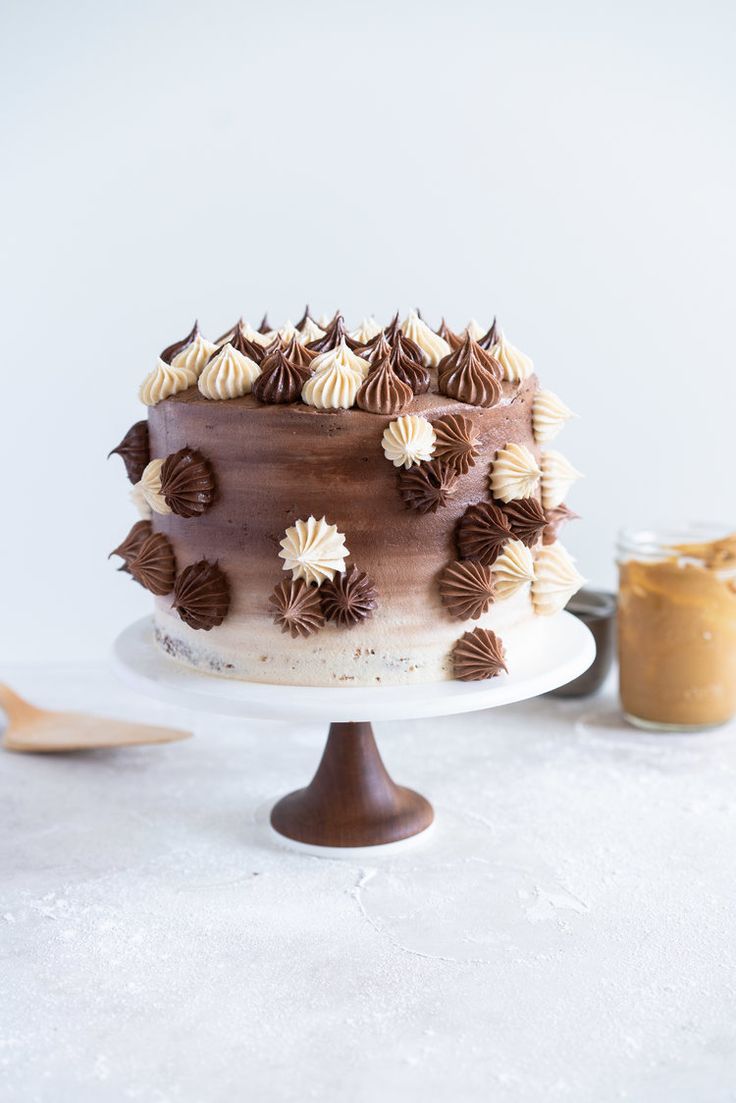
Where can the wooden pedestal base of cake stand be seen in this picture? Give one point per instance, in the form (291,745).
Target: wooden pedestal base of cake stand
(352,800)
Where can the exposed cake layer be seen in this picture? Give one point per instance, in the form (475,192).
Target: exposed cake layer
(276,464)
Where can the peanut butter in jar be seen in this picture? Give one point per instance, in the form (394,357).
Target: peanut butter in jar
(677,627)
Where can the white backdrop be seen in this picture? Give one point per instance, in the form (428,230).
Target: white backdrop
(570,167)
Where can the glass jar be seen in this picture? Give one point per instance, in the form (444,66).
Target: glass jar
(677,626)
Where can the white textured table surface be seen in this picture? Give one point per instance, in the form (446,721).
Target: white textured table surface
(567,933)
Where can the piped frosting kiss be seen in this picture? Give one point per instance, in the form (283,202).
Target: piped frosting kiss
(432,345)
(549,414)
(228,374)
(558,475)
(281,379)
(383,392)
(337,377)
(556,580)
(470,375)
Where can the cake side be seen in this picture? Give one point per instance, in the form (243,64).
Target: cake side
(274,464)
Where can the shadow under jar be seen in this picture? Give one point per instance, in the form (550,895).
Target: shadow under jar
(677,626)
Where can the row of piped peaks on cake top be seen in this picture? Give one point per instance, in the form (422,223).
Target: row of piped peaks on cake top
(323,364)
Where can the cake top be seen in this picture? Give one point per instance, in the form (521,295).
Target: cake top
(323,364)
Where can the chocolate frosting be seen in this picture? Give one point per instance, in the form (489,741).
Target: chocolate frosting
(297,608)
(377,348)
(306,317)
(334,334)
(230,333)
(187,483)
(178,346)
(264,327)
(332,322)
(281,379)
(299,354)
(478,655)
(470,375)
(135,450)
(393,327)
(555,519)
(349,598)
(453,339)
(406,366)
(132,543)
(393,334)
(456,441)
(467,589)
(409,349)
(251,349)
(202,595)
(428,486)
(526,519)
(383,392)
(154,565)
(482,532)
(490,337)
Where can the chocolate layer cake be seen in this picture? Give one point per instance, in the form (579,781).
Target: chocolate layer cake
(331,507)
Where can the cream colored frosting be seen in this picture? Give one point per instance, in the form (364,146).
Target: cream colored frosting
(309,332)
(558,475)
(195,355)
(138,499)
(286,333)
(516,365)
(549,414)
(251,334)
(367,329)
(408,440)
(432,345)
(344,356)
(513,569)
(150,487)
(313,550)
(338,376)
(230,374)
(475,329)
(165,380)
(556,580)
(335,388)
(514,473)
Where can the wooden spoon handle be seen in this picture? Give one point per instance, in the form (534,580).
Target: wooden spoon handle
(12,705)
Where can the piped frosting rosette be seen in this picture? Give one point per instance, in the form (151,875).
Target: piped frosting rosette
(313,550)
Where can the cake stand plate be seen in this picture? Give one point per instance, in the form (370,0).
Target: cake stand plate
(352,800)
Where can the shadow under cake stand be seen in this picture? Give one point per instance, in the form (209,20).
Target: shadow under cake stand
(352,801)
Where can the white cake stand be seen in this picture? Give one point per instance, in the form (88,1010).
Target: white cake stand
(352,800)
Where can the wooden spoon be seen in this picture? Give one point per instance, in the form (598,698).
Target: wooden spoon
(37,730)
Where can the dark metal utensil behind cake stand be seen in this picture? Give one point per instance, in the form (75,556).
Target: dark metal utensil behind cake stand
(352,802)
